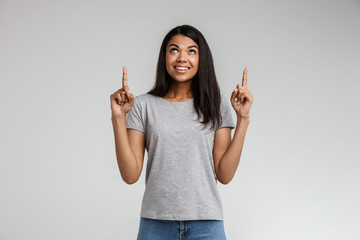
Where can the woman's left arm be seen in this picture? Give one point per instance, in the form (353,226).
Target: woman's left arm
(227,152)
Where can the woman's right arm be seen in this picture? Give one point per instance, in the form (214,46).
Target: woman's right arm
(130,148)
(129,143)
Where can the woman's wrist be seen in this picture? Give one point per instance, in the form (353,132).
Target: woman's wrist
(242,121)
(243,118)
(118,119)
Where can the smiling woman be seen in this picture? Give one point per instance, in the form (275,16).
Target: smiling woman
(185,125)
(182,58)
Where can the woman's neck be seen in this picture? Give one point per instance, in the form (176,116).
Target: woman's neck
(179,91)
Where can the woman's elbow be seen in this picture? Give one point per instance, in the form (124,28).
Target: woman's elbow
(130,180)
(224,180)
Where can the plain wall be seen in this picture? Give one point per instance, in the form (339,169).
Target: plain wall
(60,60)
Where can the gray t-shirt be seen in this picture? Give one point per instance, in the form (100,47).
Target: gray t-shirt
(180,178)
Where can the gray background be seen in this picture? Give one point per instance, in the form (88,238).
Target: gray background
(60,61)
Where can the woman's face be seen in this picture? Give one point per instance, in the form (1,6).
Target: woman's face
(182,58)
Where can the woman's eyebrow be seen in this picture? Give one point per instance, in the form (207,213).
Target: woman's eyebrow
(193,46)
(173,44)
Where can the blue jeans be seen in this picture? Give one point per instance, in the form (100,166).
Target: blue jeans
(152,229)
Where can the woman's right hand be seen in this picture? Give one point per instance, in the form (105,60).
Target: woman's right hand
(122,100)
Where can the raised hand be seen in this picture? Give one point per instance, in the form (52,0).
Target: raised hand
(122,100)
(241,98)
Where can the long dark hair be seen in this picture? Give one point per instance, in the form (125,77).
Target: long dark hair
(204,87)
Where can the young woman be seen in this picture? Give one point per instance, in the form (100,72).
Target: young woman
(185,125)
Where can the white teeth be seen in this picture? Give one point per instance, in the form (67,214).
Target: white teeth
(181,68)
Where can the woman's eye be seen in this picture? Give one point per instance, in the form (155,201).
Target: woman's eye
(173,50)
(192,51)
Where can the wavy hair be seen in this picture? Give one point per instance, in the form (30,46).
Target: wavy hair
(204,86)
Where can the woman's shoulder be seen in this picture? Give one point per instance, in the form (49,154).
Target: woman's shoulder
(145,98)
(142,97)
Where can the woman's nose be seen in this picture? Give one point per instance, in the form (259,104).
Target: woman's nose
(181,57)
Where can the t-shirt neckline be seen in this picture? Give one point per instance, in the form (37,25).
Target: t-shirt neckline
(187,101)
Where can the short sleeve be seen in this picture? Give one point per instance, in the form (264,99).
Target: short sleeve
(135,117)
(226,114)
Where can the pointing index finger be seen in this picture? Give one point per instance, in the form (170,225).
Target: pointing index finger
(244,80)
(124,78)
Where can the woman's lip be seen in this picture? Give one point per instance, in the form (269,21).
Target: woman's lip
(177,67)
(181,70)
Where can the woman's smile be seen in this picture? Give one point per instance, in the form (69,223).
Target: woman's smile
(181,69)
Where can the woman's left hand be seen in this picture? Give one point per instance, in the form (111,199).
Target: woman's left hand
(241,98)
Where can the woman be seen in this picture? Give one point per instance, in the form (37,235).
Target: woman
(185,125)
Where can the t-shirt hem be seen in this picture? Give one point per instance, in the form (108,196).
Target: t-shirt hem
(232,126)
(135,128)
(188,217)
